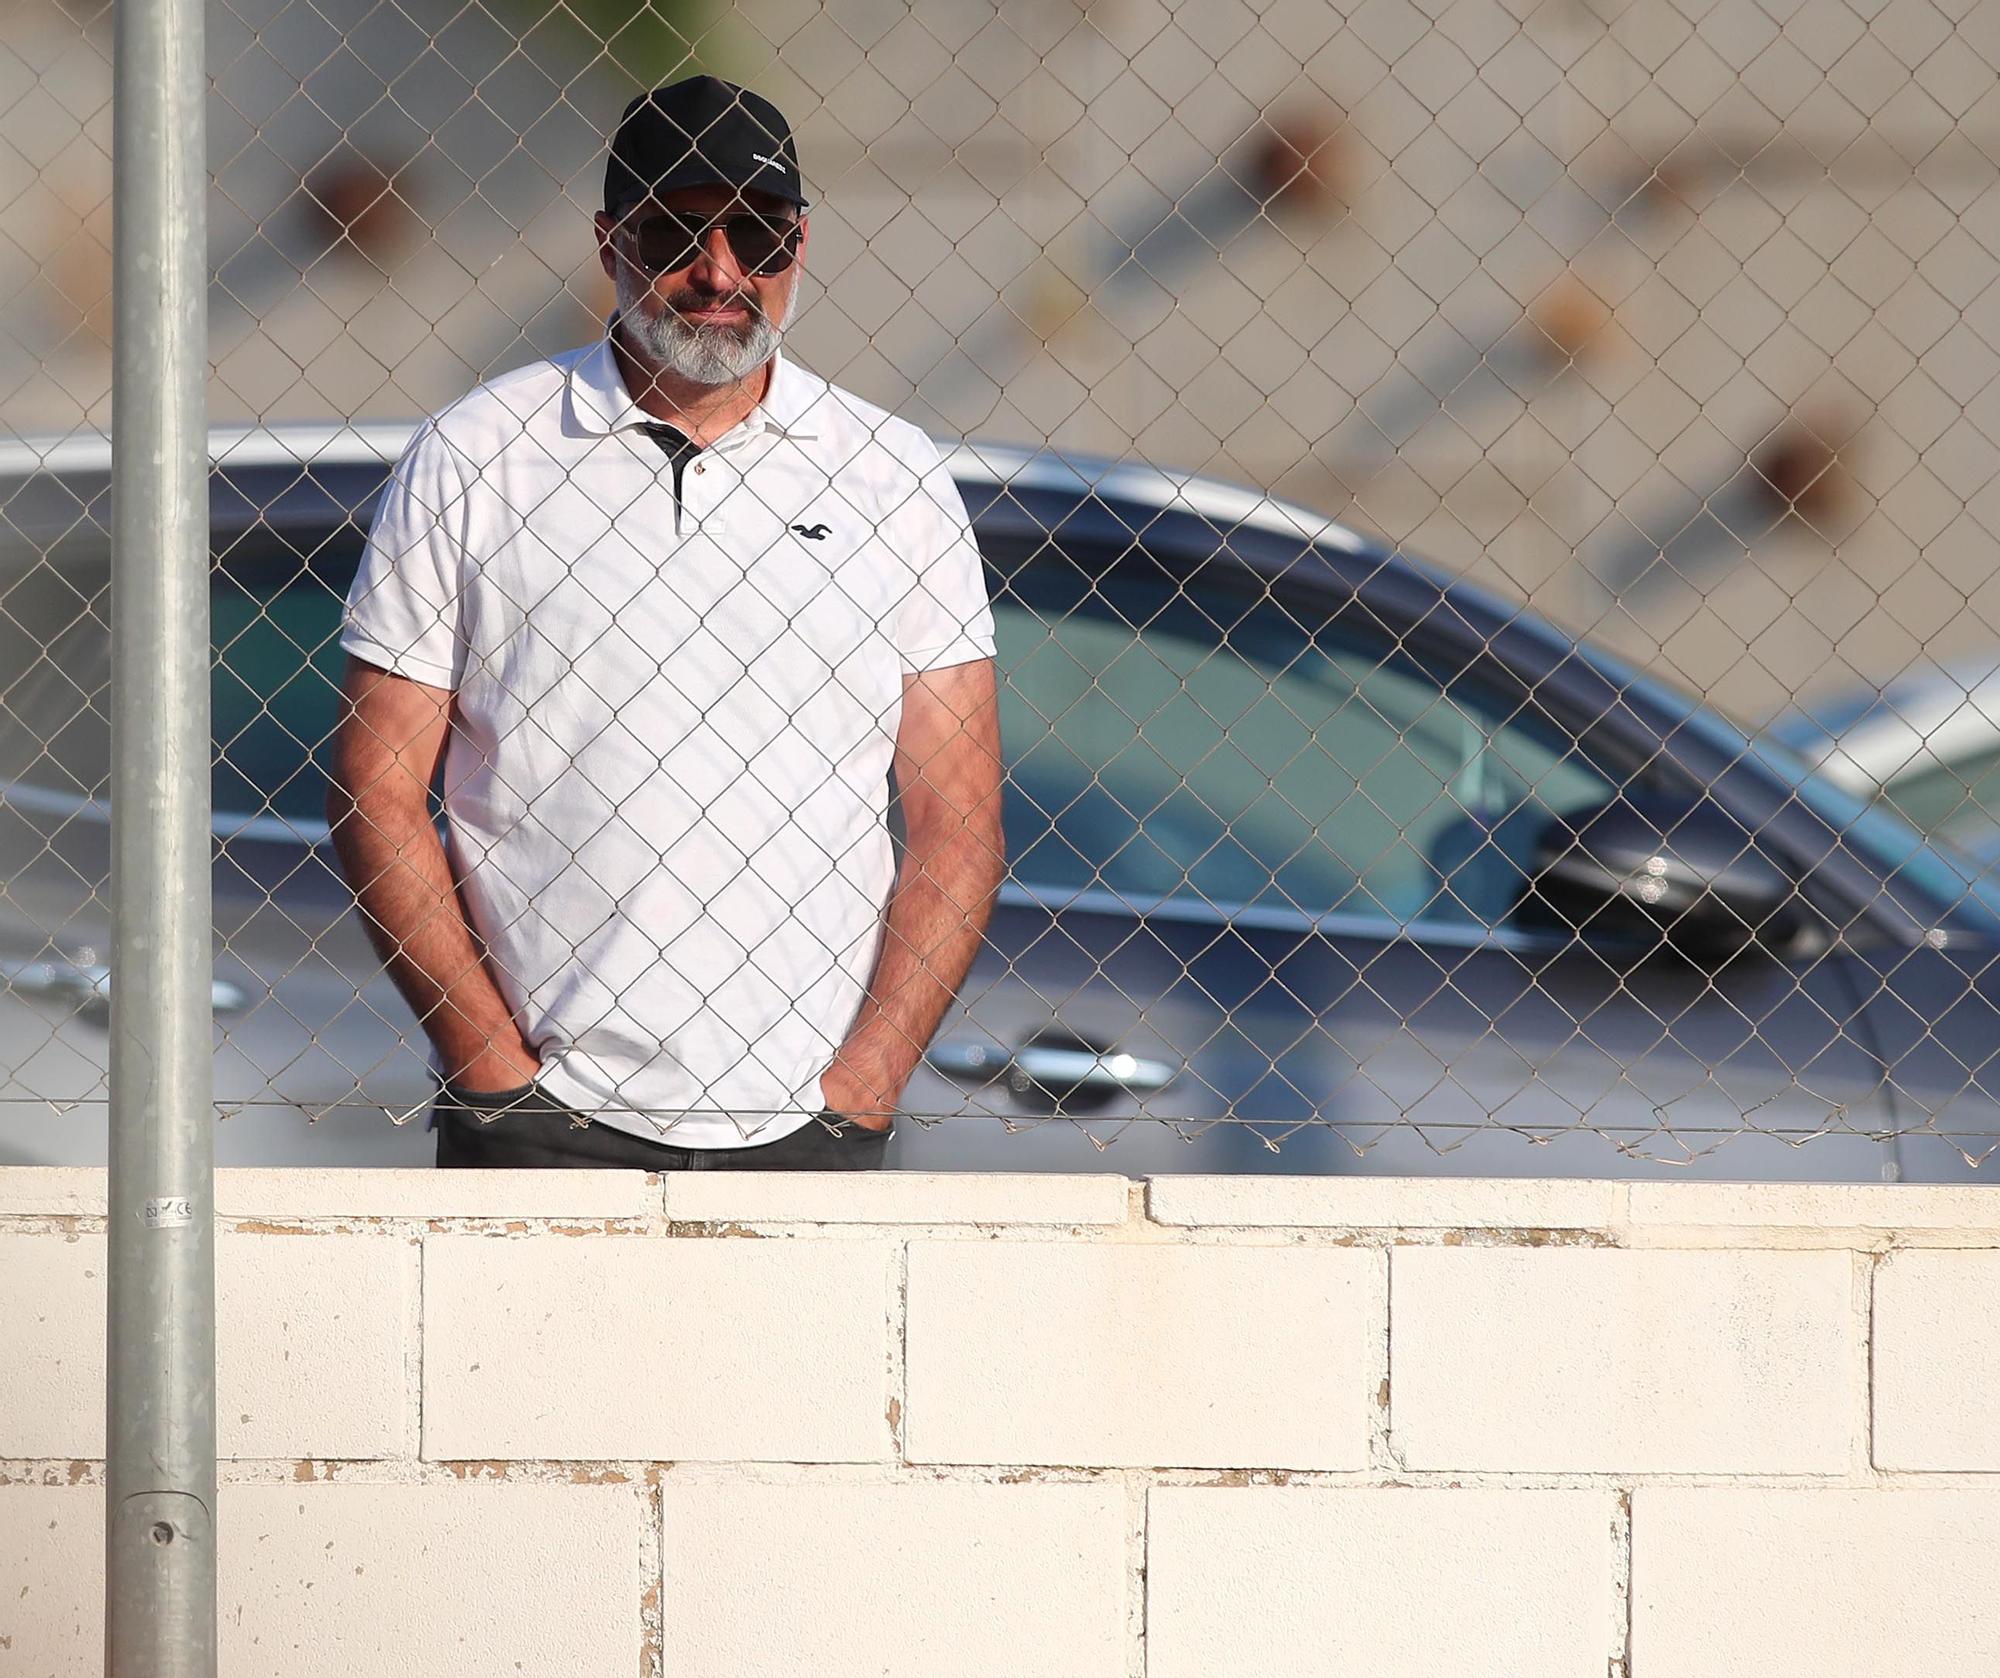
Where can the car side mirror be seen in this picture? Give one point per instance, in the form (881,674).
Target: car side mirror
(1685,875)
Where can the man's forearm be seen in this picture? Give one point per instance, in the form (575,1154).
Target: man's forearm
(933,927)
(409,902)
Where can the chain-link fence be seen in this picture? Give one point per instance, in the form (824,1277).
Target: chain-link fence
(1485,511)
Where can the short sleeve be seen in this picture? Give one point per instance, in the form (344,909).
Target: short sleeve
(945,618)
(403,609)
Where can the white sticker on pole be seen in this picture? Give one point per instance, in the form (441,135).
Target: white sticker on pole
(169,1212)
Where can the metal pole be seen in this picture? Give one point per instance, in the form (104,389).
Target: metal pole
(160,1445)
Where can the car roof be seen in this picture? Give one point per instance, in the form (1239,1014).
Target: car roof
(89,450)
(381,442)
(1291,533)
(1930,717)
(1286,540)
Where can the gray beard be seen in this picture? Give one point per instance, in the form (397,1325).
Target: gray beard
(703,355)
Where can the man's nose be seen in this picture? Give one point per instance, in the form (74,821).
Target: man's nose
(716,268)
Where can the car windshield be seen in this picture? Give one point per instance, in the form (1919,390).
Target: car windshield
(1969,896)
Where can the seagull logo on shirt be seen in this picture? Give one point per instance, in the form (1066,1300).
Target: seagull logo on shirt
(813,532)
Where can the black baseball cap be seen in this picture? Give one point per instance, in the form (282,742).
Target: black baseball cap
(701,132)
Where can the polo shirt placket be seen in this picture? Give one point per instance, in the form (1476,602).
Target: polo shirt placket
(681,452)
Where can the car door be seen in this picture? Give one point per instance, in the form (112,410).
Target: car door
(1267,858)
(307,1029)
(1101,998)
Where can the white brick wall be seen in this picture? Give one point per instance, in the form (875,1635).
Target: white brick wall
(52,1325)
(1296,1582)
(1127,1356)
(638,1347)
(491,1423)
(895,1580)
(1738,1583)
(1937,1361)
(312,1336)
(451,1580)
(1588,1361)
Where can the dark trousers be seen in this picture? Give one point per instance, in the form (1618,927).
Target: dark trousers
(525,1128)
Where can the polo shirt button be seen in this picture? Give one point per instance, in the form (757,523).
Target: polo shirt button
(699,469)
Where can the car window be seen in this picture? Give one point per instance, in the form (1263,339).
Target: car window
(1960,800)
(278,667)
(1180,744)
(275,622)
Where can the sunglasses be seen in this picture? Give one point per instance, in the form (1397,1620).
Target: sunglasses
(666,240)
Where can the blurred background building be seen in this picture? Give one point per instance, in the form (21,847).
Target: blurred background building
(1675,318)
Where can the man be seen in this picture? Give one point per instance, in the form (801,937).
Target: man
(668,610)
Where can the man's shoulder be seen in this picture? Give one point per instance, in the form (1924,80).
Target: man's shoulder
(507,408)
(852,426)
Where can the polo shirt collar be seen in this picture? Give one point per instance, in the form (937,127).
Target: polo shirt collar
(789,399)
(601,405)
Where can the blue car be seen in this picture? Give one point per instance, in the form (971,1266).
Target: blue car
(1321,860)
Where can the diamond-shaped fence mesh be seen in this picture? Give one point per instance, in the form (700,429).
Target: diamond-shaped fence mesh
(1482,513)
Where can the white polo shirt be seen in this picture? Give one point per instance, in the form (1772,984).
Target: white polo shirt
(667,780)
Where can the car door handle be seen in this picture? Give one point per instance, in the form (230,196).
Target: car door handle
(1038,1064)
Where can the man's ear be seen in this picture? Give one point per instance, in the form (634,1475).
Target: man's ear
(606,255)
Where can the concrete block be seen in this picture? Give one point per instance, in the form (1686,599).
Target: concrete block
(299,1193)
(1818,1207)
(257,1192)
(51,1191)
(1741,1583)
(312,1336)
(1294,1582)
(313,1341)
(1166,1356)
(52,1326)
(355,1581)
(1384,1202)
(895,1580)
(641,1347)
(894,1197)
(1602,1361)
(1936,1341)
(52,1562)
